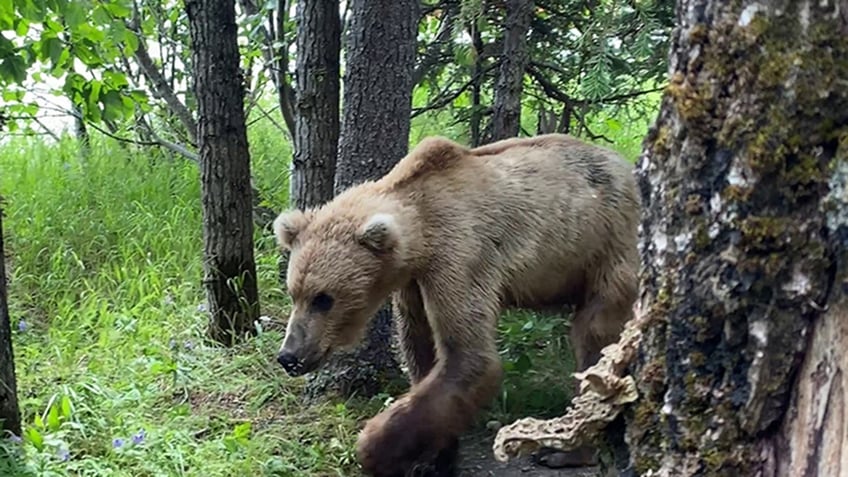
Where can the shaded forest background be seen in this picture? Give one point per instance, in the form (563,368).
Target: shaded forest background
(99,160)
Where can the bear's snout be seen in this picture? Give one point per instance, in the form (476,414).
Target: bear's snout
(291,363)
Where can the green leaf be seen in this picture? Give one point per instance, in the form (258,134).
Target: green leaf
(115,79)
(113,107)
(53,418)
(523,364)
(6,46)
(21,27)
(32,10)
(66,407)
(7,14)
(91,33)
(52,25)
(36,438)
(74,15)
(12,95)
(117,10)
(130,43)
(13,69)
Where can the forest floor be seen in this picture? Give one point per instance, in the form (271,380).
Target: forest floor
(478,461)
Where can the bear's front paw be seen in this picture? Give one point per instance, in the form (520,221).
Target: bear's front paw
(400,437)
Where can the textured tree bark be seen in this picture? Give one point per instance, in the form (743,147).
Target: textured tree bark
(317,105)
(506,120)
(741,371)
(380,58)
(229,266)
(10,415)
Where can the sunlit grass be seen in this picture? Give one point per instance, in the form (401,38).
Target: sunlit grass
(104,255)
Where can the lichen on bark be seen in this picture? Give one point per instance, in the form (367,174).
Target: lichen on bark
(740,154)
(738,244)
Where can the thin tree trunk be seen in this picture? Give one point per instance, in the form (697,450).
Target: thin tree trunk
(10,415)
(380,58)
(317,105)
(506,120)
(229,266)
(745,232)
(476,85)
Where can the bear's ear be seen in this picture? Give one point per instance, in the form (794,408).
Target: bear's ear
(288,225)
(380,233)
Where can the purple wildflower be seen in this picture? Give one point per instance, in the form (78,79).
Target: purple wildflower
(138,438)
(188,344)
(63,454)
(15,438)
(117,443)
(201,307)
(22,326)
(172,344)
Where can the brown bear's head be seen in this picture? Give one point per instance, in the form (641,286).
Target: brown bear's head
(342,267)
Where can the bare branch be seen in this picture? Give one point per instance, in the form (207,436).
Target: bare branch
(435,50)
(444,98)
(161,88)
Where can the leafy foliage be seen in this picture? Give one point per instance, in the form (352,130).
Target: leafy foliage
(57,37)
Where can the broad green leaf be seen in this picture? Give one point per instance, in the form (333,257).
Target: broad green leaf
(91,33)
(32,10)
(117,10)
(100,15)
(115,79)
(13,69)
(113,107)
(35,437)
(53,418)
(7,14)
(74,15)
(130,43)
(93,92)
(87,53)
(21,27)
(52,25)
(6,46)
(12,95)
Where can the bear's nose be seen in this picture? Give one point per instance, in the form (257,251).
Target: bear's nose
(289,362)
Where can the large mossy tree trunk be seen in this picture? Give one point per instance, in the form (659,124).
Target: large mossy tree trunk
(743,367)
(380,60)
(506,110)
(10,415)
(228,261)
(317,104)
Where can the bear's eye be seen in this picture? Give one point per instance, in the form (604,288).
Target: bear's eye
(322,303)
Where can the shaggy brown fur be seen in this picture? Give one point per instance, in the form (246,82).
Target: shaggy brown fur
(455,235)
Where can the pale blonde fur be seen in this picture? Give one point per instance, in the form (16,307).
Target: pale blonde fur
(537,223)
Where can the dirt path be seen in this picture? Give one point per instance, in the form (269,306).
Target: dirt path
(477,460)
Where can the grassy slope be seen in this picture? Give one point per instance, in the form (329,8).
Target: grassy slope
(104,257)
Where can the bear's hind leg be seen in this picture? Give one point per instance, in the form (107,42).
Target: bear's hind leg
(596,324)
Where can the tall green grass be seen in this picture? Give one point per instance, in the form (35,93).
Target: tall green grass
(104,255)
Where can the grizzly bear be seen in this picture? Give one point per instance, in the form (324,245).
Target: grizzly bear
(454,235)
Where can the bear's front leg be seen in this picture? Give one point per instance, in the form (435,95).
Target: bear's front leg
(420,430)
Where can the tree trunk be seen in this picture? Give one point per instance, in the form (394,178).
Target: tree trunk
(10,415)
(317,104)
(229,266)
(476,85)
(506,120)
(380,58)
(742,369)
